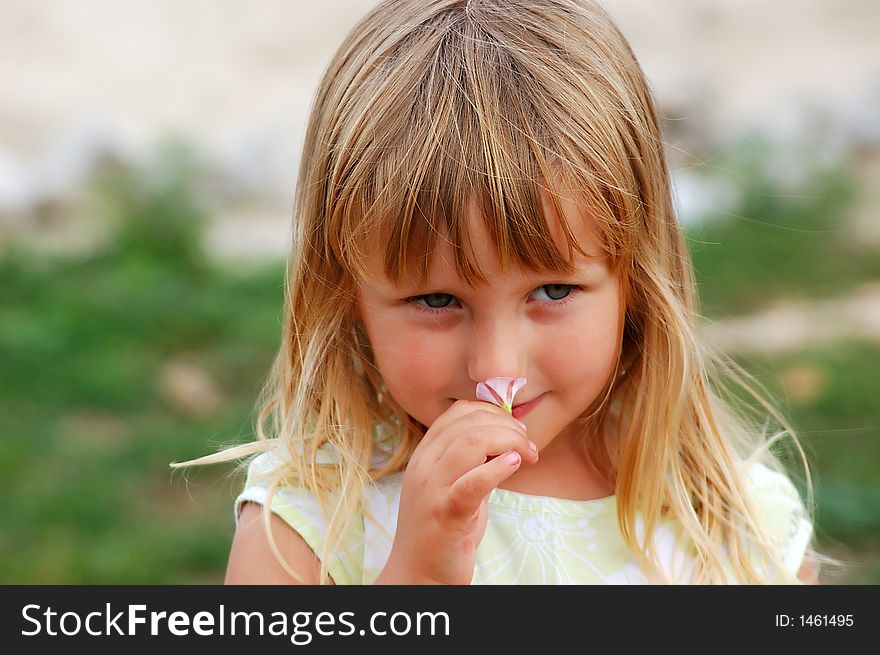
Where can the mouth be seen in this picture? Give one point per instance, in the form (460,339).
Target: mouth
(524,408)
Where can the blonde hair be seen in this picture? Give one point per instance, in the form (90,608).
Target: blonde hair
(428,103)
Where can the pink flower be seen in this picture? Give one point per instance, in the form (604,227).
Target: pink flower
(500,391)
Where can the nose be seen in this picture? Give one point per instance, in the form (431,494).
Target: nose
(497,349)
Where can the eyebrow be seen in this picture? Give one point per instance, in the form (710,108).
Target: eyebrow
(535,276)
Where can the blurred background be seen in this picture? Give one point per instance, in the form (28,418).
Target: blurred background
(148,152)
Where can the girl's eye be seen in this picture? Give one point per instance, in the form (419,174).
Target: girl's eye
(438,303)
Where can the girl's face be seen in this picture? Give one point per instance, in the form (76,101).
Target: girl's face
(432,345)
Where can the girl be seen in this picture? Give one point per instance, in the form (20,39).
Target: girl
(484,193)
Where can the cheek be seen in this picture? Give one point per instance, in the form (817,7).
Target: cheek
(584,350)
(413,364)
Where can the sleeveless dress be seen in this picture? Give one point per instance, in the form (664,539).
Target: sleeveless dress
(528,539)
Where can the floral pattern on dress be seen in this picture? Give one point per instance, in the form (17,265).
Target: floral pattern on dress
(531,539)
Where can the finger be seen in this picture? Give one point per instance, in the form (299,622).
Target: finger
(480,414)
(455,412)
(468,415)
(466,493)
(482,443)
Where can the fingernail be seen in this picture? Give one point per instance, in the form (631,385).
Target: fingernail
(521,423)
(512,458)
(533,446)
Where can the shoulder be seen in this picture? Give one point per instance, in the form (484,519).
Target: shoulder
(298,524)
(783,512)
(809,571)
(252,561)
(775,495)
(297,506)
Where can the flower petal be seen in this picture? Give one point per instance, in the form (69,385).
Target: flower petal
(518,384)
(487,392)
(500,391)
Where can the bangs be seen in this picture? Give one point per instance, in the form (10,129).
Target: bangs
(461,121)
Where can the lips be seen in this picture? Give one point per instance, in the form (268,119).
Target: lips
(500,390)
(525,408)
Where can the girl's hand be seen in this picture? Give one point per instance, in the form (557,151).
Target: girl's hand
(468,451)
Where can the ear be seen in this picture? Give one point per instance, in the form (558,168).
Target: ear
(354,314)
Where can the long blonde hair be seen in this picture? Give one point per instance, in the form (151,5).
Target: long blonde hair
(428,103)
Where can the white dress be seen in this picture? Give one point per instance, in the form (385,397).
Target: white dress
(528,539)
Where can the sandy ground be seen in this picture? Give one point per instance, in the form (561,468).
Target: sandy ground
(788,325)
(237,79)
(217,68)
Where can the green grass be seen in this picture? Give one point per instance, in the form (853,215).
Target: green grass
(779,242)
(783,243)
(837,419)
(838,424)
(89,431)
